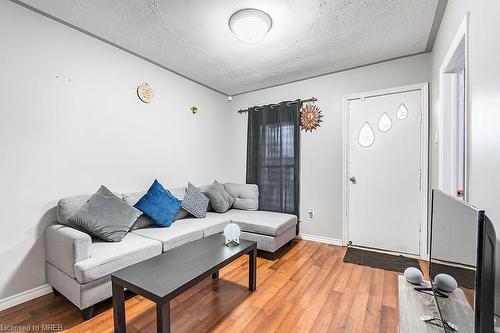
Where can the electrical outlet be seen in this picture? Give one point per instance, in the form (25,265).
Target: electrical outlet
(311,213)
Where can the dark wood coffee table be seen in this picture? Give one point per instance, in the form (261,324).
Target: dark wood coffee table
(163,277)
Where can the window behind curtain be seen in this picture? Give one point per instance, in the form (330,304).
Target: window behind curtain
(273,156)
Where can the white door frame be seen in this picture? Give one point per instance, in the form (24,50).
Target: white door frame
(449,59)
(424,157)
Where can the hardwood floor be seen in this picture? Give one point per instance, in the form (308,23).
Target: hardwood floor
(309,289)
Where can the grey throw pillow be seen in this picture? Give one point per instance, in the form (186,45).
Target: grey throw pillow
(220,200)
(106,216)
(195,202)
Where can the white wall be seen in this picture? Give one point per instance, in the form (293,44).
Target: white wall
(70,121)
(321,151)
(485,101)
(485,95)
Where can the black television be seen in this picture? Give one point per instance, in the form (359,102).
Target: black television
(462,244)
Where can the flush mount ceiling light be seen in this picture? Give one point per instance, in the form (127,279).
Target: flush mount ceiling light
(250,25)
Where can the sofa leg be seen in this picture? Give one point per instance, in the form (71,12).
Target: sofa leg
(266,254)
(55,291)
(88,313)
(289,243)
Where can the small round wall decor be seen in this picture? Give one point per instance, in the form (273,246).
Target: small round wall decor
(310,117)
(144,92)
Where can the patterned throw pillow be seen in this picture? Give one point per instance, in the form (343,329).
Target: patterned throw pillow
(195,202)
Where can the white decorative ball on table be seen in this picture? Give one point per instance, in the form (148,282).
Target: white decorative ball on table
(445,282)
(232,234)
(414,275)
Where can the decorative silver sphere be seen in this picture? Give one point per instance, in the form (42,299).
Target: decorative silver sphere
(414,275)
(445,282)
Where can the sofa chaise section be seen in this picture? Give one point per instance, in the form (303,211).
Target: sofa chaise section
(262,222)
(269,229)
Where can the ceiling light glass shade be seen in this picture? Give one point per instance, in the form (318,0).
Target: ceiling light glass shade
(250,25)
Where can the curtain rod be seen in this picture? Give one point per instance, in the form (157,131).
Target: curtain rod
(312,99)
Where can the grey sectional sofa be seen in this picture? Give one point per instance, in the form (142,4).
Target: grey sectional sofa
(79,266)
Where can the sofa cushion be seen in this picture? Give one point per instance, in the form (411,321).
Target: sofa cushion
(203,189)
(106,216)
(180,232)
(159,204)
(246,196)
(195,202)
(144,221)
(106,258)
(67,207)
(220,200)
(262,222)
(214,223)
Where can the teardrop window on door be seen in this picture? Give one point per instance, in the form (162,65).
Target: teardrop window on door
(384,123)
(366,135)
(402,112)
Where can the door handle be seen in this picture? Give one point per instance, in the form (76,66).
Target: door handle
(353,180)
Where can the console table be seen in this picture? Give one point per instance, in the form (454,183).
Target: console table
(414,304)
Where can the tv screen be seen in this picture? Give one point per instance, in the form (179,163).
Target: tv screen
(461,247)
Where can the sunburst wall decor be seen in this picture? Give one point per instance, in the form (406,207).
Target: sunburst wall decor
(310,117)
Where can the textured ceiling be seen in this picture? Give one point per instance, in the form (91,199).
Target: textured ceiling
(308,37)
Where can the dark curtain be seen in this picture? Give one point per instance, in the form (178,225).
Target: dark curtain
(273,142)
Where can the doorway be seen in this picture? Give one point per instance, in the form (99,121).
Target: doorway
(453,135)
(385,169)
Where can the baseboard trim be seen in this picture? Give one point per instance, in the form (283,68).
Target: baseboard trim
(320,239)
(24,296)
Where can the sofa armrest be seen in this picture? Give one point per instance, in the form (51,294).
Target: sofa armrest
(65,246)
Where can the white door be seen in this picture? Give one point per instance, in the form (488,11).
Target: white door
(384,171)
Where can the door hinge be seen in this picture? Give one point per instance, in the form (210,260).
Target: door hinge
(421,117)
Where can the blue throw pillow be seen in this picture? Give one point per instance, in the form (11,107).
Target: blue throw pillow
(159,204)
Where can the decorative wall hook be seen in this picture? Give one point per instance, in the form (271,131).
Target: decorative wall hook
(194,109)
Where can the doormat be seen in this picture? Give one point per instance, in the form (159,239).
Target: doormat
(384,261)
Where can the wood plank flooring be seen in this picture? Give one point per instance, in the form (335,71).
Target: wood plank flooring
(309,289)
